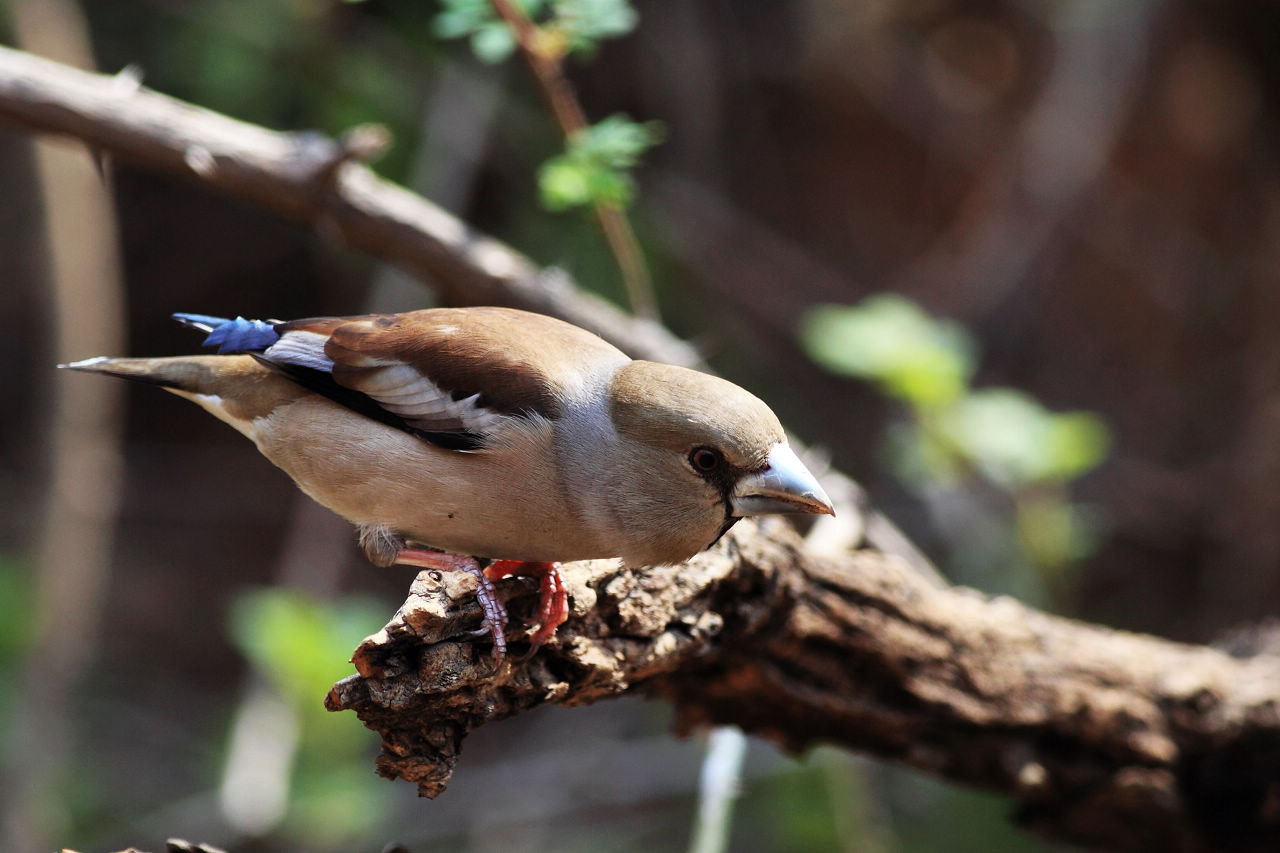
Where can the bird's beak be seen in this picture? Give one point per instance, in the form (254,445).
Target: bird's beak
(785,485)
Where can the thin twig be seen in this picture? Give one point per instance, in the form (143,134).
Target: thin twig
(545,59)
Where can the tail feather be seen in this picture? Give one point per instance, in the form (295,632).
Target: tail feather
(204,322)
(236,388)
(232,336)
(193,374)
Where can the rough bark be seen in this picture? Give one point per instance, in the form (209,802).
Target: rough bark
(1101,737)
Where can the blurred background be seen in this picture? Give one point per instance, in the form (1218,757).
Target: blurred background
(1013,265)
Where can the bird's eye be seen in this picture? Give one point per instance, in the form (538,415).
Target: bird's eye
(704,460)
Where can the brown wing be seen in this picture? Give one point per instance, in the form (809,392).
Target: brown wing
(450,370)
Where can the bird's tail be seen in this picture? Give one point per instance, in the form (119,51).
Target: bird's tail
(194,374)
(233,388)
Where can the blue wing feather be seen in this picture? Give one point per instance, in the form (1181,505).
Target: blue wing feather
(306,363)
(230,336)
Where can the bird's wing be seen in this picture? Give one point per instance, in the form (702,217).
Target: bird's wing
(458,377)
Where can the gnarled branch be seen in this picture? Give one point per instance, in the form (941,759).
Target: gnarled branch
(1102,737)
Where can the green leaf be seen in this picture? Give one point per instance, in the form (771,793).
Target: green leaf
(594,168)
(889,340)
(1077,442)
(1001,430)
(477,19)
(493,42)
(462,17)
(1017,442)
(616,141)
(584,23)
(563,184)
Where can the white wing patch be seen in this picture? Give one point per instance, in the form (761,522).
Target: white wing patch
(304,349)
(402,390)
(397,387)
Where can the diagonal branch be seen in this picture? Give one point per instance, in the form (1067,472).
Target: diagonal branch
(1105,738)
(310,178)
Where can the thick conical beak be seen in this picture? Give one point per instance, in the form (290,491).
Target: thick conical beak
(785,486)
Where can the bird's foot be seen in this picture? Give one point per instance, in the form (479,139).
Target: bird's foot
(553,607)
(495,615)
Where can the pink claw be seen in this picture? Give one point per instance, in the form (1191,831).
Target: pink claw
(553,606)
(495,615)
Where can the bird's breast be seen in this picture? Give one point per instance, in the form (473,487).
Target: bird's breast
(506,501)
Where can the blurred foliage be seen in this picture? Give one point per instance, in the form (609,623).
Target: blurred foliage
(565,27)
(300,646)
(834,801)
(955,437)
(889,340)
(17,609)
(585,23)
(305,64)
(781,807)
(491,38)
(928,815)
(595,168)
(17,621)
(299,643)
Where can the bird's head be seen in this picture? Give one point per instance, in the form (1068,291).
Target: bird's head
(707,452)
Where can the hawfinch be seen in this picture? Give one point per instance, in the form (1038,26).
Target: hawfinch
(452,434)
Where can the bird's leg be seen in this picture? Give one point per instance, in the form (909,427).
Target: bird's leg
(495,615)
(553,607)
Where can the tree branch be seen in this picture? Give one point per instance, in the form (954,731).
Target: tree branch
(310,178)
(1102,737)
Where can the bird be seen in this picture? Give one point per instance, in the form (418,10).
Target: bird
(491,441)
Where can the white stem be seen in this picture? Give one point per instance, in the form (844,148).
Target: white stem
(719,785)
